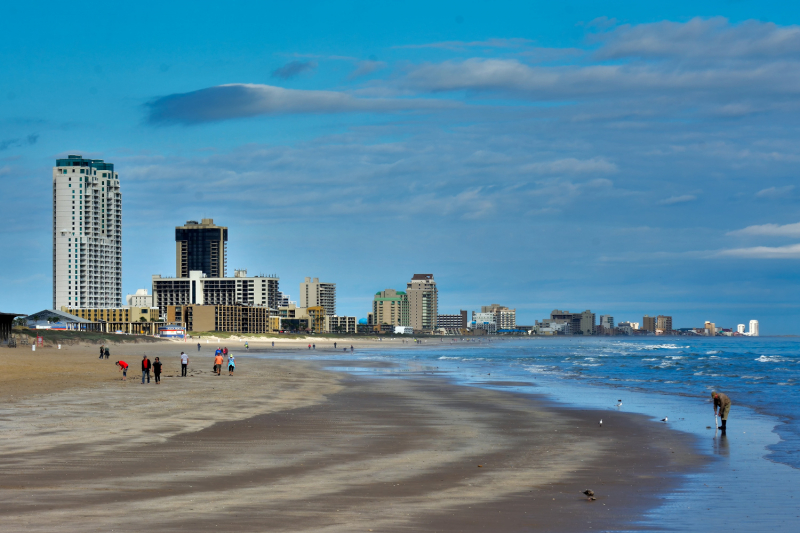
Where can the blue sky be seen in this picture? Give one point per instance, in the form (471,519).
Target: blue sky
(628,157)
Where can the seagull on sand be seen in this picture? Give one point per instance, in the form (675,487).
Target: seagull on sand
(620,403)
(589,494)
(664,419)
(601,422)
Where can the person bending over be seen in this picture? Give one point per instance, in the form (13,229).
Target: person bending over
(723,403)
(123,367)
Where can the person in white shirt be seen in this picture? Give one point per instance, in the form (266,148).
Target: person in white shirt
(184,363)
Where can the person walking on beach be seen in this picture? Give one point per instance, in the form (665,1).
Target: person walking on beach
(101,352)
(225,352)
(723,403)
(108,354)
(334,345)
(218,362)
(157,371)
(146,368)
(231,365)
(123,367)
(184,364)
(198,346)
(247,345)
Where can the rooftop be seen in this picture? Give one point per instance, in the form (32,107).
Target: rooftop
(79,161)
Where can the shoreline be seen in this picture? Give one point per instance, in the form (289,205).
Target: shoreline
(408,446)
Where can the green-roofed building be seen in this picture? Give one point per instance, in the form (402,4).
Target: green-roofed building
(390,307)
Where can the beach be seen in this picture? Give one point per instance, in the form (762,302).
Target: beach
(289,445)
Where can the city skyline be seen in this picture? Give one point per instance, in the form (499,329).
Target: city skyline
(554,159)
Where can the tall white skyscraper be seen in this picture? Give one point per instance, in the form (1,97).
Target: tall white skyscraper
(753,328)
(87,234)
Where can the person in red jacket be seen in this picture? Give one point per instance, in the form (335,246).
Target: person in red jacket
(123,367)
(146,366)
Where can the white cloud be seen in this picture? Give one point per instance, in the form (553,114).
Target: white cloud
(704,39)
(768,230)
(672,200)
(774,192)
(571,165)
(791,251)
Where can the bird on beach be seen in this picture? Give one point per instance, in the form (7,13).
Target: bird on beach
(589,494)
(620,403)
(664,419)
(601,422)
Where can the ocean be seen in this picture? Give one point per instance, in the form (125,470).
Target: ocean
(748,483)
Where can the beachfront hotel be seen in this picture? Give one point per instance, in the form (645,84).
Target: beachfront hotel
(423,302)
(87,234)
(201,246)
(314,293)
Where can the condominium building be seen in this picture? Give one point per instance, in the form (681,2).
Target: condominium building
(740,329)
(87,234)
(579,323)
(390,307)
(753,328)
(340,324)
(484,321)
(201,246)
(607,321)
(649,323)
(459,321)
(504,317)
(664,324)
(140,299)
(423,302)
(314,294)
(710,329)
(198,289)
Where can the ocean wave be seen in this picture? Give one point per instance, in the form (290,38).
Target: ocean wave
(713,352)
(663,347)
(769,359)
(444,357)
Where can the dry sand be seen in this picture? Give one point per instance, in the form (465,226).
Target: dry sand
(287,446)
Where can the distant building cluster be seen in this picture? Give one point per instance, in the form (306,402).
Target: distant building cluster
(87,285)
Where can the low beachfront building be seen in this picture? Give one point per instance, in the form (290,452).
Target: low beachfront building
(341,324)
(228,318)
(115,314)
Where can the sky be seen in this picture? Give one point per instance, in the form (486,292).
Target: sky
(626,157)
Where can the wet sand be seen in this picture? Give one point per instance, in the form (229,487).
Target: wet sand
(288,446)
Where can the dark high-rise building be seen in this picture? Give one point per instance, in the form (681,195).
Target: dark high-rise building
(201,247)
